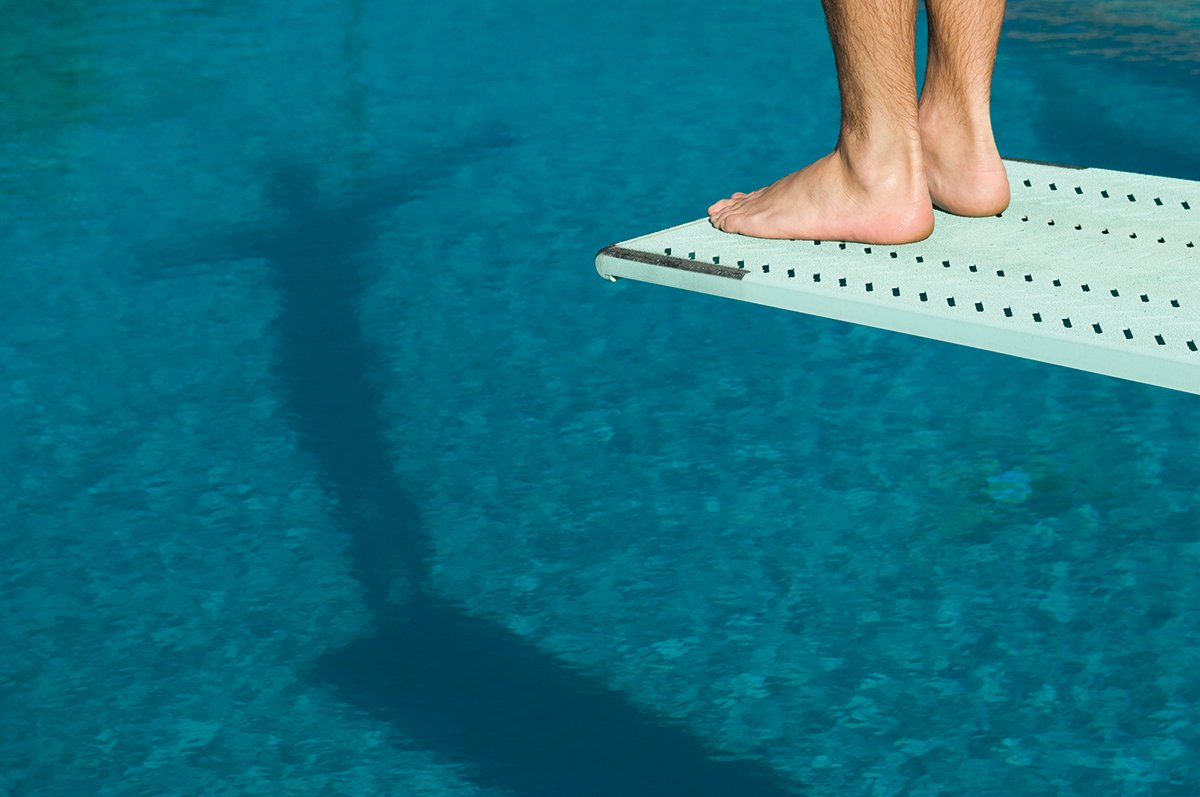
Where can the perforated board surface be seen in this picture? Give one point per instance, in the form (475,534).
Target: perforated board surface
(1088,268)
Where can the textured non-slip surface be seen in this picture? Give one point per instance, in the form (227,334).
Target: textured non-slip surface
(1089,268)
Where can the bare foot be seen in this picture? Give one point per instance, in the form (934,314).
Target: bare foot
(964,171)
(885,203)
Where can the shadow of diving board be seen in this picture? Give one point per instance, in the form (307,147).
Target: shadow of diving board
(1088,268)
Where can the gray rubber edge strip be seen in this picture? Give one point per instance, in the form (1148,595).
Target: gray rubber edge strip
(667,261)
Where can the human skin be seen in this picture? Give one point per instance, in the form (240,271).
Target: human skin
(895,157)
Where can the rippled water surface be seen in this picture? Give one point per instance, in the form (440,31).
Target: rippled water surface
(331,467)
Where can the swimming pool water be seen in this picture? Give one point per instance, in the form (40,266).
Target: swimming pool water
(330,466)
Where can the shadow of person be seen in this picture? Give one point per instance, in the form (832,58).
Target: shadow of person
(467,687)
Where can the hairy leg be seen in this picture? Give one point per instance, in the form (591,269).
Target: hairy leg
(962,164)
(872,187)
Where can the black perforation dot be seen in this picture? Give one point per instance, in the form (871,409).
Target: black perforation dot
(1028,184)
(1162,240)
(1191,344)
(1057,283)
(1157,201)
(667,251)
(1050,223)
(691,255)
(870,287)
(791,272)
(1078,190)
(1079,226)
(1053,187)
(893,254)
(766,268)
(1104,231)
(1037,317)
(741,264)
(1128,334)
(1131,197)
(1160,340)
(1133,235)
(1104,194)
(950,301)
(1174,302)
(1186,206)
(946,264)
(842,245)
(920,259)
(1000,272)
(924,296)
(1029,278)
(1097,328)
(1085,288)
(979,307)
(816,277)
(1067,323)
(1145,298)
(717,260)
(842,281)
(1114,292)
(895,291)
(1008,312)
(816,243)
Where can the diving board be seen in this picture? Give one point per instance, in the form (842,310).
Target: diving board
(1088,268)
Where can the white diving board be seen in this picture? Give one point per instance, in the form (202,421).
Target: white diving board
(1088,268)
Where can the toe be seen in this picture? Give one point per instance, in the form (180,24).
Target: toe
(733,208)
(722,204)
(728,222)
(739,204)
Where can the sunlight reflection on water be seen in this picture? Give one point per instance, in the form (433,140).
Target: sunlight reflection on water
(1136,31)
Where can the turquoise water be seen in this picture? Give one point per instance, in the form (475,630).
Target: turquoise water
(330,466)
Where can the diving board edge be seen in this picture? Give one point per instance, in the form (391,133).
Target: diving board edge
(618,262)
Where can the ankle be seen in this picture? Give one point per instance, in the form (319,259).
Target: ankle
(886,158)
(969,126)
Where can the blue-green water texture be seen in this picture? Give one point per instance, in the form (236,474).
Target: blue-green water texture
(328,465)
